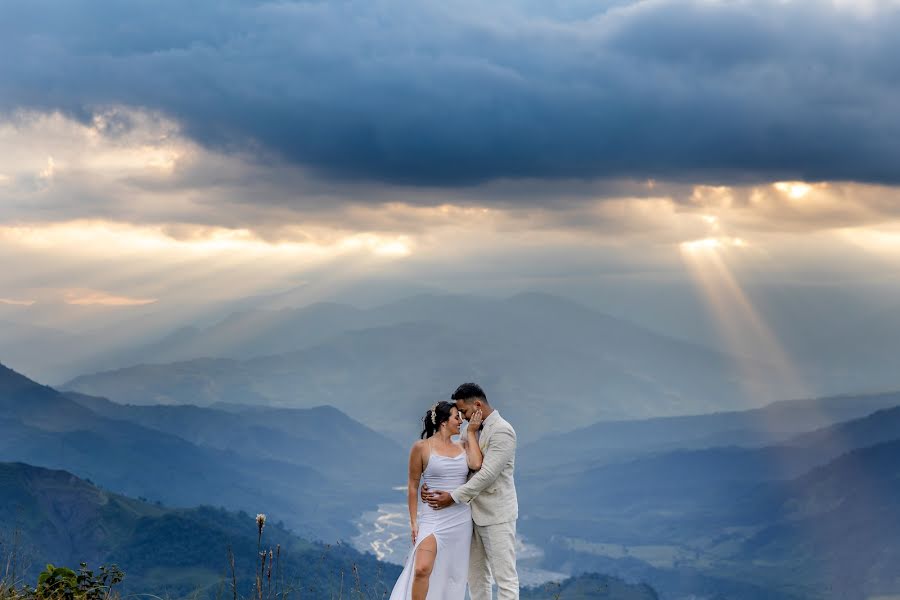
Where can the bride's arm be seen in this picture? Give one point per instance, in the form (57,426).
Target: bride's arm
(473,451)
(412,485)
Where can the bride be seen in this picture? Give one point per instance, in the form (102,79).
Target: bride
(439,559)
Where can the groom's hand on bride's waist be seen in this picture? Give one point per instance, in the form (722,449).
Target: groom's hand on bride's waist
(439,500)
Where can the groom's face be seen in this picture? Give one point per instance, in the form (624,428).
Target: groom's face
(467,408)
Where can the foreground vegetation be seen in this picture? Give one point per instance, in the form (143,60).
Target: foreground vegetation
(62,583)
(269,583)
(262,576)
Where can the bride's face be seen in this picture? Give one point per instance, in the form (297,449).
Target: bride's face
(454,422)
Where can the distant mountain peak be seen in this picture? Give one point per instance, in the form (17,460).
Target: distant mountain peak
(13,382)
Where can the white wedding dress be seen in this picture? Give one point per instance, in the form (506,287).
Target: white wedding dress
(452,530)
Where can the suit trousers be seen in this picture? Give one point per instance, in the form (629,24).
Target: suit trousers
(493,553)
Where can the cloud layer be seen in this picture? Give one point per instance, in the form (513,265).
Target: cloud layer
(454,93)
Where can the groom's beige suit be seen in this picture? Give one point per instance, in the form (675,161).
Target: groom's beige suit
(491,492)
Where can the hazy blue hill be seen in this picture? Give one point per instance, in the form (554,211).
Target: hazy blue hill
(770,424)
(249,333)
(674,490)
(322,438)
(681,481)
(37,405)
(66,520)
(880,426)
(42,427)
(837,527)
(590,587)
(525,350)
(683,582)
(202,381)
(870,475)
(55,341)
(58,342)
(816,515)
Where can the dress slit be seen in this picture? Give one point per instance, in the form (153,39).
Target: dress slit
(452,531)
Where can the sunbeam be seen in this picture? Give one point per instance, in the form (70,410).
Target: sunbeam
(746,335)
(742,328)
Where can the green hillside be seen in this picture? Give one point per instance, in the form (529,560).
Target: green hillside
(169,552)
(173,553)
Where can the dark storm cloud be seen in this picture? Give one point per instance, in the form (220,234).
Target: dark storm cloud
(454,93)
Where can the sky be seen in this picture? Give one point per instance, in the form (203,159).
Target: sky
(154,153)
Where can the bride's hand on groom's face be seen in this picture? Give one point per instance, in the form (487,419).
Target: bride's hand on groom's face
(475,421)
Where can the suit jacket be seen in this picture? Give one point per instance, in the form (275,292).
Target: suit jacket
(491,491)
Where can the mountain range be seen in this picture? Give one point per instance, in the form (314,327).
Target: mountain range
(618,469)
(525,346)
(295,463)
(320,438)
(551,364)
(770,424)
(814,515)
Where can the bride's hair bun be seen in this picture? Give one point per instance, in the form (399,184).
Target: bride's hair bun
(437,414)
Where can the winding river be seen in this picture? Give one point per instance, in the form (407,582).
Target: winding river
(385,533)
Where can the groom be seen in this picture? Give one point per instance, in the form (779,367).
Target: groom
(491,492)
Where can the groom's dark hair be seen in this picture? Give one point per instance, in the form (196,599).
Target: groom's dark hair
(469,391)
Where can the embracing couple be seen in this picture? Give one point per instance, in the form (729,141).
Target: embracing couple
(463,519)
